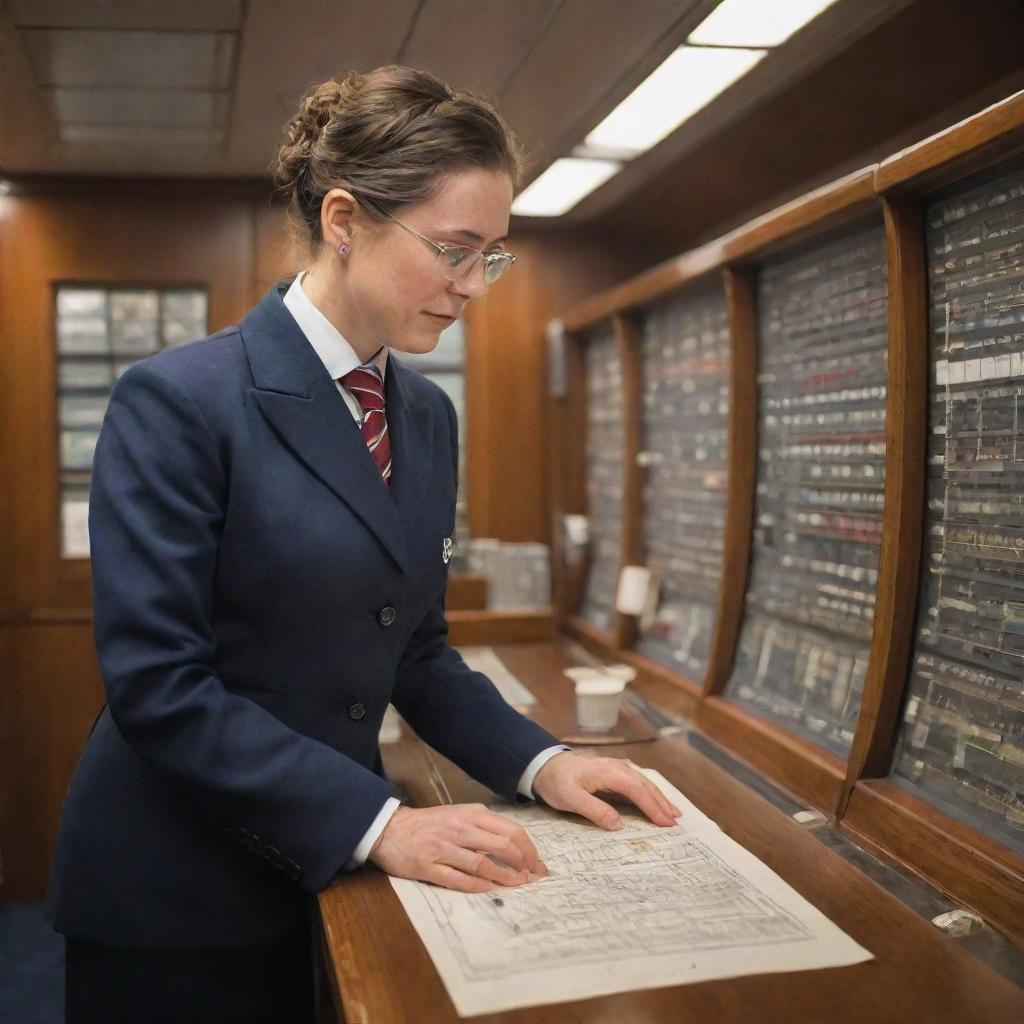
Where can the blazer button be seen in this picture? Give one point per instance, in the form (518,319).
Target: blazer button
(357,711)
(387,615)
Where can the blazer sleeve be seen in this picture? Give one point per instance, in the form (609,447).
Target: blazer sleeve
(159,490)
(459,712)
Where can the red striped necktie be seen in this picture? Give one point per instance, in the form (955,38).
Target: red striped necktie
(367,385)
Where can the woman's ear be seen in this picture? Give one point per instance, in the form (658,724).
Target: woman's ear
(337,216)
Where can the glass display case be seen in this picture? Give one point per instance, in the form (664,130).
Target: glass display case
(961,740)
(603,473)
(806,630)
(685,366)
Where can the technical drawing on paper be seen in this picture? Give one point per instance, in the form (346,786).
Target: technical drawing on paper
(639,907)
(680,896)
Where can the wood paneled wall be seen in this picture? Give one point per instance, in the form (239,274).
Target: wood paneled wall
(507,411)
(228,238)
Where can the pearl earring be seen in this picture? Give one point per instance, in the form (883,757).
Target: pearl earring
(342,249)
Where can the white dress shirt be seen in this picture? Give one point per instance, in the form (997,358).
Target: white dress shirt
(339,358)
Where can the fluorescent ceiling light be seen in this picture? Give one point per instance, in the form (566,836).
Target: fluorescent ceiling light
(687,81)
(562,186)
(756,22)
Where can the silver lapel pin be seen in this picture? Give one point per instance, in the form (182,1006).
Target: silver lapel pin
(446,549)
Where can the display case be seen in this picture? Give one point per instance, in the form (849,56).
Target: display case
(604,444)
(867,647)
(806,630)
(961,737)
(684,368)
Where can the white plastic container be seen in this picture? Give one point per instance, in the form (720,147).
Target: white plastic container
(598,699)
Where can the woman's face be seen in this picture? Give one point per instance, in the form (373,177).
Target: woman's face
(393,291)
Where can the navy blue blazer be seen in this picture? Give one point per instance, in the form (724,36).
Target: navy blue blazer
(260,595)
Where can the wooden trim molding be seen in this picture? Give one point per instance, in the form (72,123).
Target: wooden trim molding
(806,771)
(568,476)
(966,864)
(994,134)
(902,521)
(500,627)
(740,301)
(651,284)
(827,207)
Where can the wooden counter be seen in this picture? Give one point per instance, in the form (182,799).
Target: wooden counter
(380,972)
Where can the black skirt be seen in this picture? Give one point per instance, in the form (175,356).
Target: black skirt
(271,982)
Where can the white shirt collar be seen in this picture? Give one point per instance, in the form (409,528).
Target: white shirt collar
(334,351)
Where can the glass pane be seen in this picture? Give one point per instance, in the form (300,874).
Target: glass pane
(85,373)
(809,608)
(183,316)
(453,386)
(604,453)
(81,320)
(518,574)
(961,743)
(82,410)
(134,321)
(686,401)
(77,447)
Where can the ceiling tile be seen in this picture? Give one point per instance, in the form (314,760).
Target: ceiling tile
(474,45)
(283,52)
(141,135)
(198,60)
(137,106)
(194,15)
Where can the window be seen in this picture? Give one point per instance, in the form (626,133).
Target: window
(100,333)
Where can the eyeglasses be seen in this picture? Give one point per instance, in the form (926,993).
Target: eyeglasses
(455,262)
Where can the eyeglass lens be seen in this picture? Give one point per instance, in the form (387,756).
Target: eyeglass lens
(458,261)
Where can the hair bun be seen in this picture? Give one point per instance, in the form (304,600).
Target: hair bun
(388,136)
(320,106)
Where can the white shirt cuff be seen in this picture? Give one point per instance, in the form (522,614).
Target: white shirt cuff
(362,851)
(525,786)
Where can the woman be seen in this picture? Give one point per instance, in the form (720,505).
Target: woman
(271,518)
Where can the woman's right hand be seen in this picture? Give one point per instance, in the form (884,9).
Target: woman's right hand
(459,847)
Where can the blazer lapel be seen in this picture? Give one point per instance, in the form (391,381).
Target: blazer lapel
(410,429)
(302,404)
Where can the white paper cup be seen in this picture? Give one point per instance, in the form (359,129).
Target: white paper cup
(598,698)
(582,672)
(624,672)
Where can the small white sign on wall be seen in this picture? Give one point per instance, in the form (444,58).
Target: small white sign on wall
(75,529)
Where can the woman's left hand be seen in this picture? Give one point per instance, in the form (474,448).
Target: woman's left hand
(569,781)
